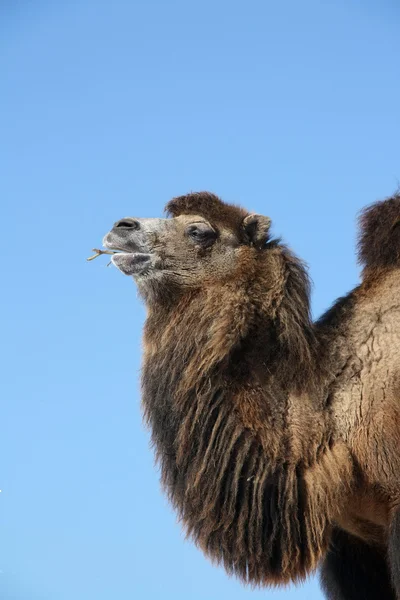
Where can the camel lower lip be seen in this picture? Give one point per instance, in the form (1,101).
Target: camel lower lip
(131,263)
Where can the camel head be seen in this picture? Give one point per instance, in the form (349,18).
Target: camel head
(201,242)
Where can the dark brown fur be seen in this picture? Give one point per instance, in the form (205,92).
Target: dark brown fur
(379,240)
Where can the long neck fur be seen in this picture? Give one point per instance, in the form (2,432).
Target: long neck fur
(231,393)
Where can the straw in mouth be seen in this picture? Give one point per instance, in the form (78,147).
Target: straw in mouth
(100,252)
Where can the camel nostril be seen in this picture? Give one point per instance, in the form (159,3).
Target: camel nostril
(128,223)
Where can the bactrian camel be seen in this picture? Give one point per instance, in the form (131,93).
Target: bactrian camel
(278,438)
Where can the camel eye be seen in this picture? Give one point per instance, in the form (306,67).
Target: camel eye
(201,233)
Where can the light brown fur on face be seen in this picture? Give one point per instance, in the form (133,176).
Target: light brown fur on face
(275,435)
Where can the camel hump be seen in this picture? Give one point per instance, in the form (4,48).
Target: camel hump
(379,237)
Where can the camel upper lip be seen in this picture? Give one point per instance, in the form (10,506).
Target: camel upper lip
(136,254)
(119,249)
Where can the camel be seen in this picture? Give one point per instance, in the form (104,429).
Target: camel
(278,438)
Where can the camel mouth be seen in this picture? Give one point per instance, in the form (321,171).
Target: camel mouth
(127,256)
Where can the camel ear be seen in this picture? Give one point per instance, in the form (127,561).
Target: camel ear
(256,228)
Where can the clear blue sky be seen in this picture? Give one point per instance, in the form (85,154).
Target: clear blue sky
(108,109)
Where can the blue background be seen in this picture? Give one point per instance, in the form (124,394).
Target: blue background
(109,109)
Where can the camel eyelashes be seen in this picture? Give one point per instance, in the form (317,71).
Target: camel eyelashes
(201,233)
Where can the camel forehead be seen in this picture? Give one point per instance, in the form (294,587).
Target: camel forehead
(184,220)
(171,225)
(210,207)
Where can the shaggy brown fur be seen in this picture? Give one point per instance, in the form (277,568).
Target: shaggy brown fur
(267,427)
(379,241)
